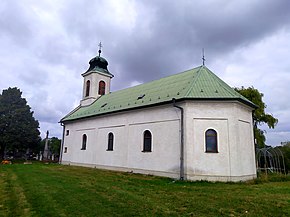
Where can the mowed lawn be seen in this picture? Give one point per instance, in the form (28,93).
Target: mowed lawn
(56,190)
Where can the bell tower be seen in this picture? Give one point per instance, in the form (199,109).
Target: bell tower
(97,79)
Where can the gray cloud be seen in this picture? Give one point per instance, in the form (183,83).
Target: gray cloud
(46,45)
(173,36)
(14,22)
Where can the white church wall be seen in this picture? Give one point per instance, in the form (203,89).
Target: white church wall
(85,155)
(231,120)
(73,142)
(128,129)
(165,146)
(243,158)
(223,118)
(97,78)
(118,156)
(203,163)
(94,79)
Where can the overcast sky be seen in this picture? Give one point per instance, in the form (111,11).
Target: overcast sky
(46,45)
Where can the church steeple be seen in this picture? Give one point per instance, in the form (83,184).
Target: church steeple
(97,79)
(99,63)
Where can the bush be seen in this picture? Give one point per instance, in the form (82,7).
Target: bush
(272,177)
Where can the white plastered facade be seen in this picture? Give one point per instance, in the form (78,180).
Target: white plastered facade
(94,78)
(232,120)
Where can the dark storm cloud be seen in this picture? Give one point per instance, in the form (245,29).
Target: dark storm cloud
(175,33)
(46,45)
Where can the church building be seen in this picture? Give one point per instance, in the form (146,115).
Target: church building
(190,125)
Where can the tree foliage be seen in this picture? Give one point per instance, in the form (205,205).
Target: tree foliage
(18,128)
(285,149)
(259,115)
(54,145)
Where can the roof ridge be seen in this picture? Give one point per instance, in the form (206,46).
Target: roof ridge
(224,85)
(149,82)
(193,81)
(228,88)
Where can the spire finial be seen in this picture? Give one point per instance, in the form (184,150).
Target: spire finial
(203,59)
(100,48)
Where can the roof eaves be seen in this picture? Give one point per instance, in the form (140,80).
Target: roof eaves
(100,71)
(71,112)
(116,111)
(178,99)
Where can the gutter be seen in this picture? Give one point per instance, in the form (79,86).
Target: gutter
(62,142)
(181,170)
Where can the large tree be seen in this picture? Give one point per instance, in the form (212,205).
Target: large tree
(259,115)
(18,128)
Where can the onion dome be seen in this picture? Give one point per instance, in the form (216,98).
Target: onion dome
(99,63)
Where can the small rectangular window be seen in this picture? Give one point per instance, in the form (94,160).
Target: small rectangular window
(67,132)
(65,150)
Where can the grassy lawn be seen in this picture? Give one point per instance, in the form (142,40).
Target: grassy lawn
(55,190)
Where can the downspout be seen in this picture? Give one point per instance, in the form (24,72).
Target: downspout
(62,142)
(181,170)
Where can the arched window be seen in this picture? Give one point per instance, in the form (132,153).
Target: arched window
(147,143)
(84,143)
(211,141)
(110,141)
(102,87)
(88,84)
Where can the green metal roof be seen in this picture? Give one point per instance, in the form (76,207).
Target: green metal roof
(195,84)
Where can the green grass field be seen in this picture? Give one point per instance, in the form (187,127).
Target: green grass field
(55,190)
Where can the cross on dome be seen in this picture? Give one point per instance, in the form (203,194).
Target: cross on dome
(100,48)
(203,59)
